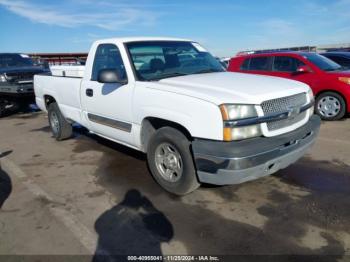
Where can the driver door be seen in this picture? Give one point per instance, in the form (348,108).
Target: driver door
(107,107)
(286,66)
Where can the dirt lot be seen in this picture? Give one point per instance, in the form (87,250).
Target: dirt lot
(90,196)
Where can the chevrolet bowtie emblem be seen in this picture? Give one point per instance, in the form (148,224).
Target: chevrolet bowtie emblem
(293,111)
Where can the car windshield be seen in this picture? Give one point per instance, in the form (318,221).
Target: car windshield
(155,60)
(322,62)
(15,60)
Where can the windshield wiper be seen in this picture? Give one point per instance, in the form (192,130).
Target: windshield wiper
(167,76)
(204,71)
(332,69)
(342,68)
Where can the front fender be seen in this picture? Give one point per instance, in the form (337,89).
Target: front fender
(201,118)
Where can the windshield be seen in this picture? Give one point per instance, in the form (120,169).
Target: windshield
(15,60)
(155,60)
(322,62)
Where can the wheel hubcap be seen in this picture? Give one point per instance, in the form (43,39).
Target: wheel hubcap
(329,106)
(169,162)
(55,125)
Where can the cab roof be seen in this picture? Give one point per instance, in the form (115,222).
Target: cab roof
(273,53)
(140,39)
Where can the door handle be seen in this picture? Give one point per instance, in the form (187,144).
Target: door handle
(89,92)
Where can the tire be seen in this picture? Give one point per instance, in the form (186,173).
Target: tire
(60,127)
(182,182)
(330,106)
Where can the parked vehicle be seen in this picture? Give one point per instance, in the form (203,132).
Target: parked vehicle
(224,61)
(328,80)
(196,123)
(341,58)
(16,81)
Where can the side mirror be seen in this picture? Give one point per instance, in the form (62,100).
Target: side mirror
(303,69)
(109,76)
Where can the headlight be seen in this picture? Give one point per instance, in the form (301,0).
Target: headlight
(312,98)
(237,112)
(244,132)
(345,80)
(2,78)
(310,94)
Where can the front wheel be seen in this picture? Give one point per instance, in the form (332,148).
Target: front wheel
(330,106)
(170,161)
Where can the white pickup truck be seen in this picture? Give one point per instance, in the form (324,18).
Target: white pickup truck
(171,99)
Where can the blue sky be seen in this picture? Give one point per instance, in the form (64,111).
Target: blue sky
(222,26)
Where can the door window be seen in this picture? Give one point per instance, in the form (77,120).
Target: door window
(286,64)
(245,64)
(259,63)
(108,57)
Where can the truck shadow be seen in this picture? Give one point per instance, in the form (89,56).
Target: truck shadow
(5,183)
(311,223)
(84,145)
(125,229)
(5,187)
(133,227)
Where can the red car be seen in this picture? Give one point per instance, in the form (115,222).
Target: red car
(328,80)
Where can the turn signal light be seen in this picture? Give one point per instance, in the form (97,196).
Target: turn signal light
(345,80)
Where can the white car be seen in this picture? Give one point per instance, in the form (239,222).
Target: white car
(196,122)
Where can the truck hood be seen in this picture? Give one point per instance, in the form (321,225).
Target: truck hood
(20,69)
(227,87)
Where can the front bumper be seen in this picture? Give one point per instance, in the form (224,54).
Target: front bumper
(17,89)
(223,163)
(17,92)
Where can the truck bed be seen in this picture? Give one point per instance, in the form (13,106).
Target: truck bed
(68,71)
(65,90)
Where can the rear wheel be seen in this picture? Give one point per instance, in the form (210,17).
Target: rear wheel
(330,106)
(60,127)
(170,161)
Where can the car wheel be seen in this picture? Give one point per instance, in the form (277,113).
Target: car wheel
(170,161)
(330,106)
(60,127)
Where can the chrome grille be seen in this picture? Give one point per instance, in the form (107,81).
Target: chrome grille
(286,122)
(22,76)
(283,104)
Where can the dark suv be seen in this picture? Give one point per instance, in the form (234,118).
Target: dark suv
(16,81)
(341,58)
